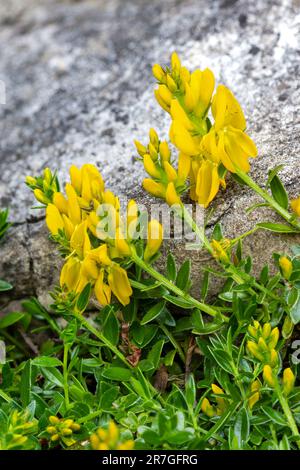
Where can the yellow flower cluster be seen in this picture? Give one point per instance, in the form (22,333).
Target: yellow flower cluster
(263,349)
(166,182)
(221,250)
(109,439)
(288,379)
(207,149)
(263,343)
(86,221)
(18,428)
(63,429)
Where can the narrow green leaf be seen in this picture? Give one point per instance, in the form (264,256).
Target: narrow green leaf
(153,312)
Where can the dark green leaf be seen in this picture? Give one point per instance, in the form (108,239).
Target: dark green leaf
(153,312)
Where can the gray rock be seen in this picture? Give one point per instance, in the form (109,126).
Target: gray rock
(79,89)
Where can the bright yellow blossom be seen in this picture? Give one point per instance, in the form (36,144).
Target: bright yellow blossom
(110,439)
(295,205)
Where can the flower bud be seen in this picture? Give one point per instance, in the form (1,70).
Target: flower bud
(286,267)
(140,148)
(268,376)
(154,241)
(154,188)
(288,381)
(172,197)
(295,205)
(164,151)
(158,73)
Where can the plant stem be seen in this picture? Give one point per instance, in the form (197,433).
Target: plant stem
(238,276)
(287,411)
(170,286)
(65,375)
(173,341)
(102,338)
(268,198)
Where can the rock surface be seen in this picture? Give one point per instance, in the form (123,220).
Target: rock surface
(79,89)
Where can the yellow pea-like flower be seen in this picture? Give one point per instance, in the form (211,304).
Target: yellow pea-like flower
(76,180)
(69,227)
(172,197)
(207,183)
(150,167)
(288,381)
(207,408)
(171,84)
(119,284)
(74,211)
(255,395)
(154,188)
(161,102)
(154,239)
(220,400)
(141,149)
(89,268)
(158,73)
(121,244)
(184,166)
(132,218)
(266,330)
(54,219)
(226,110)
(255,351)
(286,267)
(202,85)
(295,205)
(102,290)
(170,171)
(273,338)
(154,138)
(268,376)
(219,252)
(40,196)
(165,94)
(175,62)
(78,239)
(61,203)
(178,114)
(164,151)
(182,139)
(274,358)
(70,274)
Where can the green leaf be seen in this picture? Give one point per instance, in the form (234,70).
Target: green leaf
(117,373)
(45,361)
(190,391)
(155,353)
(277,228)
(183,276)
(178,301)
(242,427)
(10,319)
(84,298)
(273,173)
(25,385)
(153,312)
(111,327)
(171,267)
(278,192)
(295,310)
(5,286)
(222,358)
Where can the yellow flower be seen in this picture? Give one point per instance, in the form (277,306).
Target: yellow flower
(40,196)
(150,167)
(288,381)
(254,350)
(109,439)
(70,274)
(268,376)
(164,151)
(132,218)
(102,290)
(121,244)
(54,219)
(219,252)
(63,429)
(286,267)
(295,205)
(207,183)
(207,408)
(74,211)
(154,188)
(172,197)
(154,239)
(254,393)
(119,284)
(60,202)
(220,400)
(158,72)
